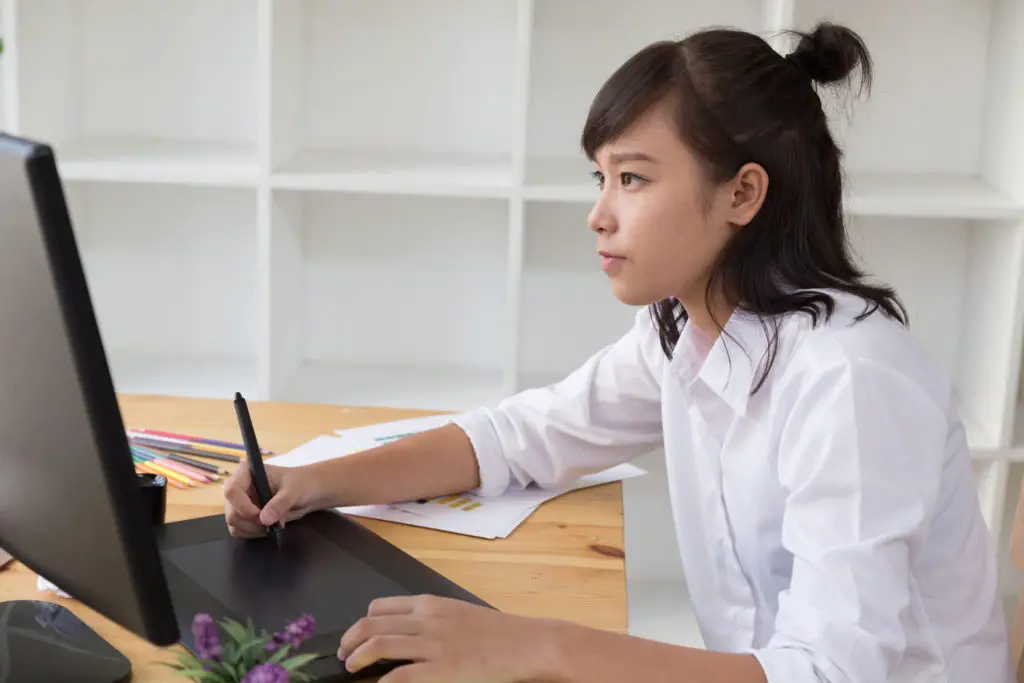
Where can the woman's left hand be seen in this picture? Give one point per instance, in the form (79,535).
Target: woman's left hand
(451,641)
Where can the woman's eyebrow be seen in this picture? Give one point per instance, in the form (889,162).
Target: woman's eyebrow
(620,157)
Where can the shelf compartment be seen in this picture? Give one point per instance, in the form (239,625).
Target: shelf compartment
(127,91)
(578,44)
(928,195)
(158,162)
(171,273)
(560,179)
(432,112)
(395,173)
(394,386)
(906,124)
(568,309)
(198,376)
(400,298)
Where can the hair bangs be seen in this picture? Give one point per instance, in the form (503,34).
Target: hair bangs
(642,82)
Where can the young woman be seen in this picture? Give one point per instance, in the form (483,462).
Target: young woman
(820,478)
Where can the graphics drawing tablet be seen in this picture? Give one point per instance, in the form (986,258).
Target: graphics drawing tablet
(328,566)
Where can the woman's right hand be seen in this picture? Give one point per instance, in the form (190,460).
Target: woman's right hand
(293,495)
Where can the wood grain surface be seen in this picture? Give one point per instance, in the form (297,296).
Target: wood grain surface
(566,561)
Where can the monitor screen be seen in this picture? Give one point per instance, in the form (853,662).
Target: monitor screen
(70,507)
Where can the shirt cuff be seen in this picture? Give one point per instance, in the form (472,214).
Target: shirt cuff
(786,665)
(494,471)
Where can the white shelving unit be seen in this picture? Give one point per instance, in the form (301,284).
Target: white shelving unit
(384,202)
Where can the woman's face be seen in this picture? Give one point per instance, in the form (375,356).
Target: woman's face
(660,226)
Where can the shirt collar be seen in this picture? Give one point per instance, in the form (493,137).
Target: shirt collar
(730,368)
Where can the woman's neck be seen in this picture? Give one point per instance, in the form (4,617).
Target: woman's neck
(708,314)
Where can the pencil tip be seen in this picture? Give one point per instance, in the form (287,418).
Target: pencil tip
(238,395)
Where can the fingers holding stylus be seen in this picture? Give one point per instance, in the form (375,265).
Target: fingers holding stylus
(278,509)
(291,490)
(240,512)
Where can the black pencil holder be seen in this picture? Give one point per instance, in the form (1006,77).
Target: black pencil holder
(154,496)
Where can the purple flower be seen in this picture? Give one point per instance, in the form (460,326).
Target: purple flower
(205,633)
(275,643)
(267,673)
(300,630)
(294,634)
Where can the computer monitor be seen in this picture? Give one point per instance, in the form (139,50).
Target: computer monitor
(70,503)
(71,508)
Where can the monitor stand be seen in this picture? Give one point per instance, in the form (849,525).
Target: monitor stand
(44,641)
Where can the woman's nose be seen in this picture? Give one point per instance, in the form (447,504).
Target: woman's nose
(601,219)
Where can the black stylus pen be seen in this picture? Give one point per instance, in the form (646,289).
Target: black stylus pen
(255,459)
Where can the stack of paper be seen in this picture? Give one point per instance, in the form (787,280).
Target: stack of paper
(484,517)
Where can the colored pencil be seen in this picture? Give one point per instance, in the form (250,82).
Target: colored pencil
(186,438)
(214,449)
(183,450)
(144,466)
(170,474)
(193,465)
(182,447)
(190,472)
(186,444)
(140,468)
(205,466)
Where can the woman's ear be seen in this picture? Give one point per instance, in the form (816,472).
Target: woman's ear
(748,189)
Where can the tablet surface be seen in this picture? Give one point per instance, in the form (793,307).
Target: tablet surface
(328,565)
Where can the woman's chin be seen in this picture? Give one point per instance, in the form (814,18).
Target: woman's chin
(630,295)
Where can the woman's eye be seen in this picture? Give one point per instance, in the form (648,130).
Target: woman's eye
(625,179)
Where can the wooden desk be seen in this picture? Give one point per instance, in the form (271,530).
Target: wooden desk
(565,561)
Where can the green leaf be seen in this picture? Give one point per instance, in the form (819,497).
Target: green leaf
(235,630)
(229,653)
(280,654)
(250,630)
(252,651)
(187,660)
(299,661)
(226,672)
(204,676)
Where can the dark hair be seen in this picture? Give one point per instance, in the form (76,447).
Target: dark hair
(736,100)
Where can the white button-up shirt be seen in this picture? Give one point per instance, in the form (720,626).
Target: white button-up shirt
(828,523)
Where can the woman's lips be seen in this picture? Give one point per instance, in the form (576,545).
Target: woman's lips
(609,261)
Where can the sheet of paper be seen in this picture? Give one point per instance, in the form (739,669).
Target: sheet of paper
(389,431)
(465,513)
(460,514)
(486,517)
(319,449)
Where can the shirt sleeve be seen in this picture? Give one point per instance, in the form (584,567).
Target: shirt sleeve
(861,460)
(606,412)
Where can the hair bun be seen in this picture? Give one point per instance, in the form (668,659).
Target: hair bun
(830,53)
